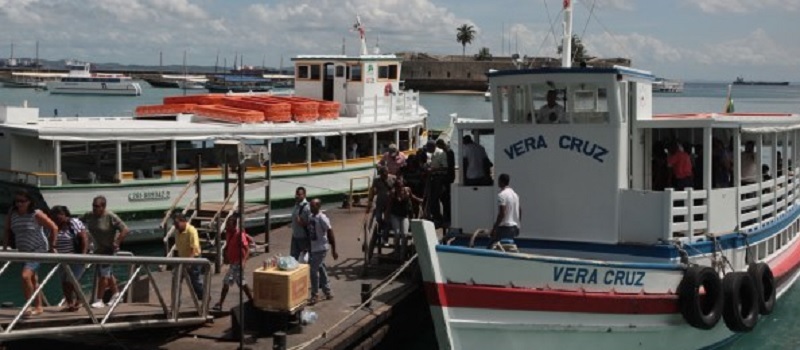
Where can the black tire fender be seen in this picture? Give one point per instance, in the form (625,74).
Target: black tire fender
(765,286)
(740,310)
(700,297)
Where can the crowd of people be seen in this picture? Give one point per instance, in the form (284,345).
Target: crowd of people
(417,186)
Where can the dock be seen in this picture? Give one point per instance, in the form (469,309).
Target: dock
(364,327)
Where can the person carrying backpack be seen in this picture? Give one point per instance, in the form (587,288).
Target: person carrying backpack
(70,239)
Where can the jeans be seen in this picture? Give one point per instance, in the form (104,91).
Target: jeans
(319,275)
(435,193)
(298,245)
(195,273)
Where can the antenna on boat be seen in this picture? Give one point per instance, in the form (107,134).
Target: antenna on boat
(566,53)
(377,49)
(361,32)
(216,63)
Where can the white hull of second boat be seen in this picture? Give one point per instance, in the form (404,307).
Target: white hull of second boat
(484,299)
(95,88)
(142,196)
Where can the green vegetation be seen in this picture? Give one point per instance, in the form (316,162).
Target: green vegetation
(464,35)
(483,55)
(579,53)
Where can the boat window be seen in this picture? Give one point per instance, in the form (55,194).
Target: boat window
(315,72)
(589,105)
(355,73)
(339,71)
(387,72)
(302,72)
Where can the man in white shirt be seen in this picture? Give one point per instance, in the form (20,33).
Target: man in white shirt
(552,112)
(509,211)
(474,161)
(436,182)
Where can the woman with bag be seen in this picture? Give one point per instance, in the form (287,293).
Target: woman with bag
(70,239)
(28,224)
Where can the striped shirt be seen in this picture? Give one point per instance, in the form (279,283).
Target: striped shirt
(28,233)
(67,235)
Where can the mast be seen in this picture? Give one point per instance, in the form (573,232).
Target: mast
(361,32)
(161,61)
(216,63)
(36,64)
(566,53)
(184,73)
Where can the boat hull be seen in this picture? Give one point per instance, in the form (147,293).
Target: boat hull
(115,89)
(481,298)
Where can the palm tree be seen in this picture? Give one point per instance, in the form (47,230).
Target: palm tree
(464,35)
(579,53)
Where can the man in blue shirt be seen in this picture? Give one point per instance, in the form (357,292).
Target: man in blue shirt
(300,215)
(322,239)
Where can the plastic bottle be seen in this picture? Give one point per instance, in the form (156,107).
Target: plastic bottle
(308,317)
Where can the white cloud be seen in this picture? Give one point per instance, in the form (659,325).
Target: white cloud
(743,6)
(757,49)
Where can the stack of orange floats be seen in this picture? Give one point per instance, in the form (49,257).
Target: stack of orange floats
(245,109)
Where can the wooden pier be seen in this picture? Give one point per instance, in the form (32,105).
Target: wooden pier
(365,328)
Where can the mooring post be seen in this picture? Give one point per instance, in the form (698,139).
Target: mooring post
(366,293)
(279,341)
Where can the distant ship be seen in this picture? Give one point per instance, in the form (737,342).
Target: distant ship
(741,81)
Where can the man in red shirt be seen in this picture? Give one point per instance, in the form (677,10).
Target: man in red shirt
(681,165)
(237,250)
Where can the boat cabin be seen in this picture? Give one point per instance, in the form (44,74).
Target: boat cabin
(591,163)
(347,79)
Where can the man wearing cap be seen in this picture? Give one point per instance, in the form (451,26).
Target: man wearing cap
(393,160)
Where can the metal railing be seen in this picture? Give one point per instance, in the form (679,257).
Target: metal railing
(167,313)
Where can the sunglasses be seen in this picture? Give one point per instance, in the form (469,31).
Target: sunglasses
(98,206)
(21,201)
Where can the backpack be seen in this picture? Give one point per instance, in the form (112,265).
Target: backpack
(76,240)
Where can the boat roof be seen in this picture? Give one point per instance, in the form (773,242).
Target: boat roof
(345,58)
(190,127)
(748,122)
(575,70)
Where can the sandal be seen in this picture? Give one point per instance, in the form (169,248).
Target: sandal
(217,307)
(313,300)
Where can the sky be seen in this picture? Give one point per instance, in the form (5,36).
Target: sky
(713,40)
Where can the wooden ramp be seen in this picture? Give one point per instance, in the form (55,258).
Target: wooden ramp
(53,317)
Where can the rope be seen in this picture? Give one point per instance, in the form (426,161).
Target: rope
(591,12)
(621,47)
(375,293)
(552,30)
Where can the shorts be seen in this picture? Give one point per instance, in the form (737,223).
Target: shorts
(507,232)
(77,270)
(31,265)
(104,270)
(233,275)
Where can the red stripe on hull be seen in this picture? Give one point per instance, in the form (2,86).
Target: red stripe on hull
(489,297)
(484,297)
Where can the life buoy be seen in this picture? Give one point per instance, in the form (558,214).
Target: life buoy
(765,286)
(700,310)
(740,310)
(387,89)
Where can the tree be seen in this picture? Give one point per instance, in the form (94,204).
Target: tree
(483,54)
(579,53)
(464,35)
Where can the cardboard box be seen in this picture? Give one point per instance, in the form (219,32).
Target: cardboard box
(277,290)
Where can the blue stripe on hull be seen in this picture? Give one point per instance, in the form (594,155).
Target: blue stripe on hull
(662,251)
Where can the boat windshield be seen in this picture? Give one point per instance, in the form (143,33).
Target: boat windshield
(548,103)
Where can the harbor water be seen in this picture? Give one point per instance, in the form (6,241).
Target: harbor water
(777,331)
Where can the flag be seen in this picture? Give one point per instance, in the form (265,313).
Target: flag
(729,101)
(359,27)
(566,4)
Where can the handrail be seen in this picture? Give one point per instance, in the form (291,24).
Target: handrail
(168,212)
(227,199)
(16,173)
(168,312)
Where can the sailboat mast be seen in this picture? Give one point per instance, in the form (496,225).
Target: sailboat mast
(566,53)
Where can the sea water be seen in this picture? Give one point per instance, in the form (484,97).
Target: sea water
(777,331)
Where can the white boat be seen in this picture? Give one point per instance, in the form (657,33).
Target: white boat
(667,85)
(84,82)
(36,80)
(141,164)
(192,84)
(608,256)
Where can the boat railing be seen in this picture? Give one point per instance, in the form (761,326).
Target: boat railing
(687,213)
(396,106)
(169,310)
(30,178)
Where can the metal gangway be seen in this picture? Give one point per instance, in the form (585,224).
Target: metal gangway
(178,307)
